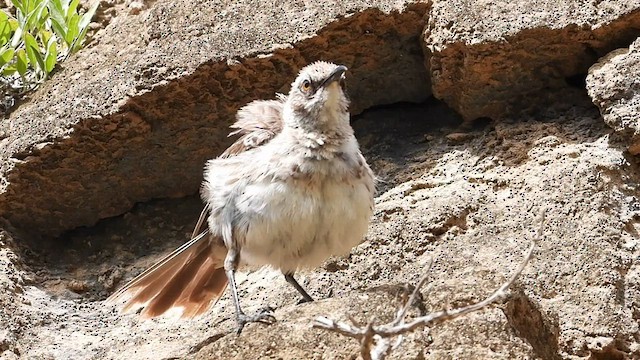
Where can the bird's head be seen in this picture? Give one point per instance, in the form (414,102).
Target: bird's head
(317,95)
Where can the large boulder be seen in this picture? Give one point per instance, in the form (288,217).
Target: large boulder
(495,59)
(135,116)
(471,206)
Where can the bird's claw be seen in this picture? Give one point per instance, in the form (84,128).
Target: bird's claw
(264,315)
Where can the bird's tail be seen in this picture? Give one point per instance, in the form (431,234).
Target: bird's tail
(192,278)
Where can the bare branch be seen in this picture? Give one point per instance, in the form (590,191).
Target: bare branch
(322,322)
(381,349)
(445,315)
(355,322)
(367,341)
(403,311)
(375,343)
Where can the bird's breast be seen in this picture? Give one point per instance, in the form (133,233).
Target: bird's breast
(317,209)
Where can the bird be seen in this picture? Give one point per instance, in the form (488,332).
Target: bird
(293,190)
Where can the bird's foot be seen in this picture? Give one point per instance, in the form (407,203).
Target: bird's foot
(305,300)
(264,315)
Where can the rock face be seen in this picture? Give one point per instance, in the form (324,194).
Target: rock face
(500,58)
(129,123)
(123,124)
(470,206)
(614,86)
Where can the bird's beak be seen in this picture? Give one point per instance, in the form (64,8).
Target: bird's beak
(335,75)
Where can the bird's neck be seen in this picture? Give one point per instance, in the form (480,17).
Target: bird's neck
(327,120)
(320,135)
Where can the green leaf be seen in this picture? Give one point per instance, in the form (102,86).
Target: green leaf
(14,24)
(29,6)
(8,27)
(29,40)
(21,63)
(6,55)
(33,52)
(9,70)
(62,5)
(42,23)
(55,3)
(72,29)
(21,15)
(73,8)
(55,6)
(34,16)
(5,28)
(17,38)
(84,26)
(44,36)
(58,19)
(57,11)
(86,18)
(60,30)
(19,5)
(52,55)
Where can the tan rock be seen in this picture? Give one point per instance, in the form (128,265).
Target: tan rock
(137,115)
(471,207)
(503,58)
(134,116)
(458,137)
(613,84)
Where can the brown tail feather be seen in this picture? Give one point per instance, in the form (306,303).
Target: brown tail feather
(191,277)
(203,290)
(175,284)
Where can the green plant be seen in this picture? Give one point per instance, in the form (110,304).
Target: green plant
(36,38)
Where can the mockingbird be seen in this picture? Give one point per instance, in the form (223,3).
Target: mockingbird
(292,191)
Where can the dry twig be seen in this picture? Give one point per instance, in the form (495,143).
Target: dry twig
(375,340)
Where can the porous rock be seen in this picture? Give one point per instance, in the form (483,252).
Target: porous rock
(471,205)
(135,116)
(497,59)
(614,85)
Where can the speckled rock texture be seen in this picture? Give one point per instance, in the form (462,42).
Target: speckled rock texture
(100,168)
(135,116)
(471,206)
(491,59)
(614,85)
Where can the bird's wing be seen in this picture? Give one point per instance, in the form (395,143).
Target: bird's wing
(257,123)
(192,277)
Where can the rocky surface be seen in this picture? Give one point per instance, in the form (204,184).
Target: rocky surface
(500,58)
(135,116)
(138,120)
(470,206)
(613,85)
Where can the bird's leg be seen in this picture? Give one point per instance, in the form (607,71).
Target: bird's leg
(263,316)
(291,280)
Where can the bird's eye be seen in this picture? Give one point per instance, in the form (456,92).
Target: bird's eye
(306,86)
